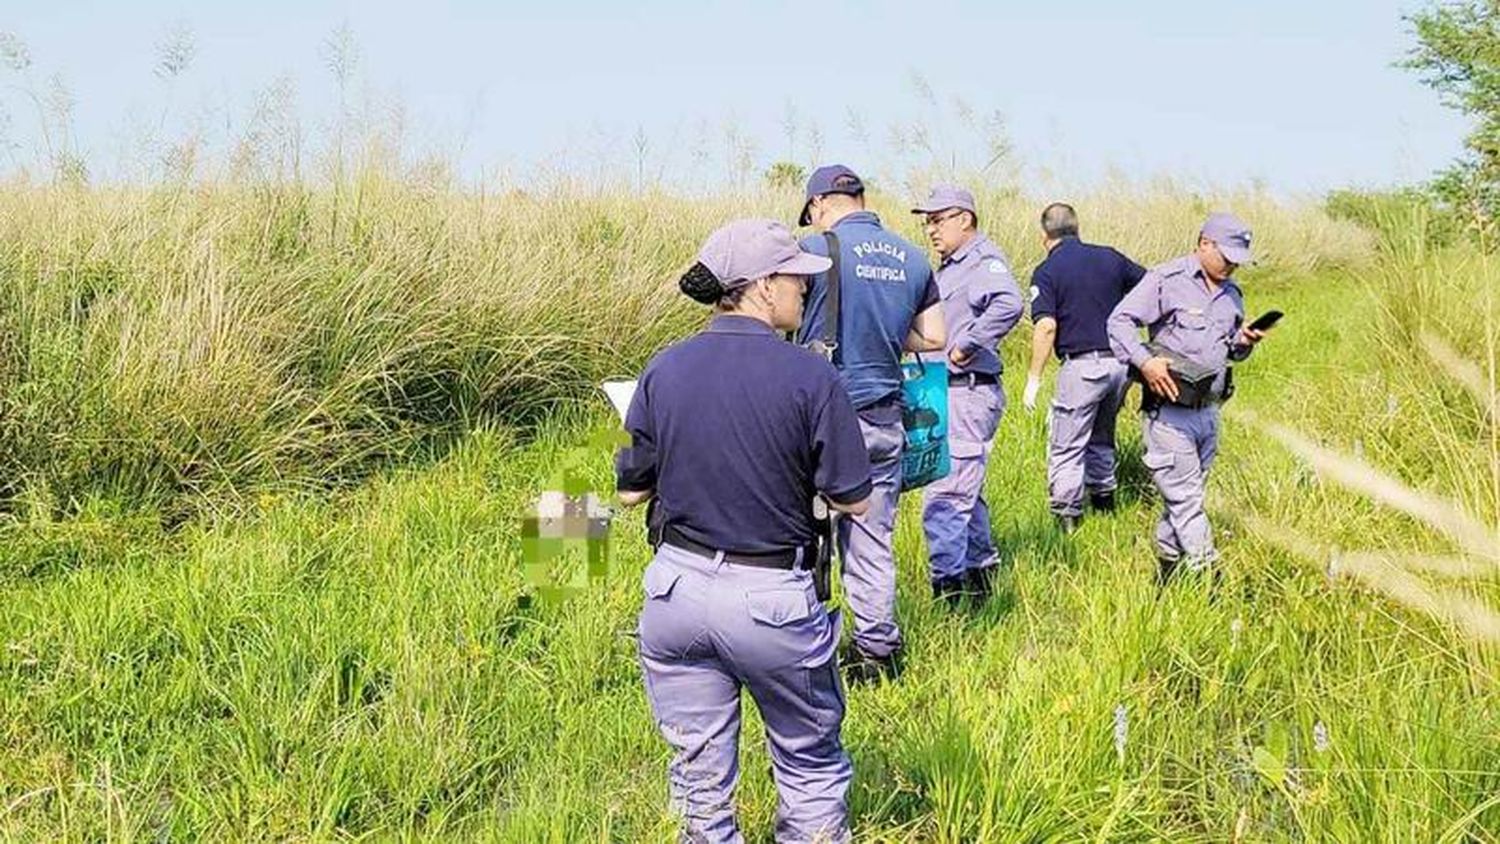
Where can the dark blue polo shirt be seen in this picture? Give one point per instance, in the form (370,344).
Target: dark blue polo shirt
(1078,285)
(735,429)
(884,282)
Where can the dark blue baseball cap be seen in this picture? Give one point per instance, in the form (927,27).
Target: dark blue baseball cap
(832,178)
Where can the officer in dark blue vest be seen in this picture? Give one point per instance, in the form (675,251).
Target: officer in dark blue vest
(888,302)
(734,431)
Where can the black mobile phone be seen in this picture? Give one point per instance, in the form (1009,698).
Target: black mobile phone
(1265,320)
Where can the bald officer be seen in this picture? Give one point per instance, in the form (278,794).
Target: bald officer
(733,431)
(888,302)
(1194,313)
(1073,292)
(981,304)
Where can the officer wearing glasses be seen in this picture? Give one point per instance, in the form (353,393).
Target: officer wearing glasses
(981,304)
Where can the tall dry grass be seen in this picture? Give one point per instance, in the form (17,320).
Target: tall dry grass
(1434,453)
(177,345)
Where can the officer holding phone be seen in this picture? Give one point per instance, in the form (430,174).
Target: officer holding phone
(1193,312)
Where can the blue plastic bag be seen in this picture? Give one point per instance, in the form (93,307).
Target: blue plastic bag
(924,390)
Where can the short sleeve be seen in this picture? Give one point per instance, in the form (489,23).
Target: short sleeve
(841,465)
(930,293)
(1043,294)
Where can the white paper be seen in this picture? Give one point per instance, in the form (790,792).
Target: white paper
(620,393)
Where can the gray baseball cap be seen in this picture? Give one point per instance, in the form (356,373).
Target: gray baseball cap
(746,250)
(1231,235)
(943,197)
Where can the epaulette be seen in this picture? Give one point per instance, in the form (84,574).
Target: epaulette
(1176,266)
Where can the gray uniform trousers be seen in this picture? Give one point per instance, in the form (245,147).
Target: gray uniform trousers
(955,516)
(1081,449)
(865,552)
(709,628)
(1180,446)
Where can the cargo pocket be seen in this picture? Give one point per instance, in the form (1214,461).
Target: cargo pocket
(664,631)
(778,607)
(1191,321)
(1098,369)
(1158,461)
(659,581)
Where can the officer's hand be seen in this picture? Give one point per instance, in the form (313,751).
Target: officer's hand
(959,358)
(1249,336)
(1033,386)
(1158,377)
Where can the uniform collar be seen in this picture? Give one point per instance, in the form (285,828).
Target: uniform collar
(965,250)
(1195,268)
(1065,240)
(737,324)
(859,217)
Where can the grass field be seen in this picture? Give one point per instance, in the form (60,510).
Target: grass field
(260,577)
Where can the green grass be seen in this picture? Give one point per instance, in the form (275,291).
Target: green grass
(315,664)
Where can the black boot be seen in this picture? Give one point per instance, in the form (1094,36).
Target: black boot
(981,582)
(1165,568)
(861,668)
(950,589)
(1103,502)
(1067,524)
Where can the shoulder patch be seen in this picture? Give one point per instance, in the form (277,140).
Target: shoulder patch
(1035,292)
(997,266)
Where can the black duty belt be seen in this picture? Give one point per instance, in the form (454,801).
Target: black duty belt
(786,560)
(1092,353)
(969,379)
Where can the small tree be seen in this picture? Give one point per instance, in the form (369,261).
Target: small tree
(784,175)
(1458,55)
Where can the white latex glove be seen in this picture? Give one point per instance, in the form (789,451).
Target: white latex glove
(1033,386)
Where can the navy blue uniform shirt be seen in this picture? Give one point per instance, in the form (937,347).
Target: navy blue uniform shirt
(735,429)
(1078,285)
(884,282)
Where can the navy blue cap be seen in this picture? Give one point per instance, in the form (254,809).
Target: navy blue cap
(832,178)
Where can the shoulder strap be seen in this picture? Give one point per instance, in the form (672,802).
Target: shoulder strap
(830,336)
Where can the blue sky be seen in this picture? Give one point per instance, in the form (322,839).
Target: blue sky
(1300,96)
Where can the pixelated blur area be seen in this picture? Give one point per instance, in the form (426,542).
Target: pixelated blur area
(565,544)
(565,536)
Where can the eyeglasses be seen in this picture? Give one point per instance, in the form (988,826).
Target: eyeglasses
(935,220)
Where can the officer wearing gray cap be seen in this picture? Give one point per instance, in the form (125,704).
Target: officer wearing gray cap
(1073,292)
(733,431)
(1194,313)
(981,304)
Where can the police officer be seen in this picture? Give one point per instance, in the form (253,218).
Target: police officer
(1194,314)
(981,304)
(733,431)
(887,302)
(1073,292)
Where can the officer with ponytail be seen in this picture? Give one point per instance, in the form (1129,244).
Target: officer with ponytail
(734,432)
